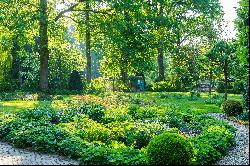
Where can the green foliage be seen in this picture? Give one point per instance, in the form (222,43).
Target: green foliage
(94,111)
(87,129)
(75,82)
(170,149)
(142,112)
(232,107)
(236,87)
(164,86)
(242,25)
(212,143)
(243,116)
(246,95)
(194,95)
(117,133)
(8,86)
(121,155)
(97,86)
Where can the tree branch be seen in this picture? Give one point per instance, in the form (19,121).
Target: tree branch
(94,11)
(71,8)
(72,19)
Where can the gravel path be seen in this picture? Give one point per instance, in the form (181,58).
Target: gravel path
(239,154)
(14,156)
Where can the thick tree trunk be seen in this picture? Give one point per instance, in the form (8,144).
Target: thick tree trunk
(226,77)
(124,75)
(88,56)
(160,53)
(44,51)
(16,63)
(160,64)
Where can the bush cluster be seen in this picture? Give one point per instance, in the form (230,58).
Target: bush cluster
(94,111)
(232,107)
(212,143)
(75,81)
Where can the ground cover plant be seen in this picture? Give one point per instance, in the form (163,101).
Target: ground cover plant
(117,128)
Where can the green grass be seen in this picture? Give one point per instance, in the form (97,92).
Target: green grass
(18,105)
(184,103)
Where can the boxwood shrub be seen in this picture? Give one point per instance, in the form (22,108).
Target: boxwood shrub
(170,149)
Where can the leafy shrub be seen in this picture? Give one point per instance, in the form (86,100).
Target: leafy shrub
(161,86)
(201,122)
(141,112)
(118,115)
(238,87)
(41,136)
(243,116)
(177,96)
(87,129)
(170,148)
(206,154)
(12,96)
(94,111)
(108,155)
(97,86)
(9,85)
(211,143)
(137,134)
(72,147)
(232,107)
(246,95)
(75,82)
(174,119)
(40,113)
(146,131)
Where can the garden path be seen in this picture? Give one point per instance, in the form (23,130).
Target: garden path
(14,156)
(238,154)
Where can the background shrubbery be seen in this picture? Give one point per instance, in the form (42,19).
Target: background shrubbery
(232,107)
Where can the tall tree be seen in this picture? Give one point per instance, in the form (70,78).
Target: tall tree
(88,46)
(43,45)
(223,51)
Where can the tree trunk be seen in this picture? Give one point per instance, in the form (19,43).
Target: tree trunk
(44,51)
(160,54)
(88,56)
(210,81)
(60,71)
(160,64)
(124,75)
(226,77)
